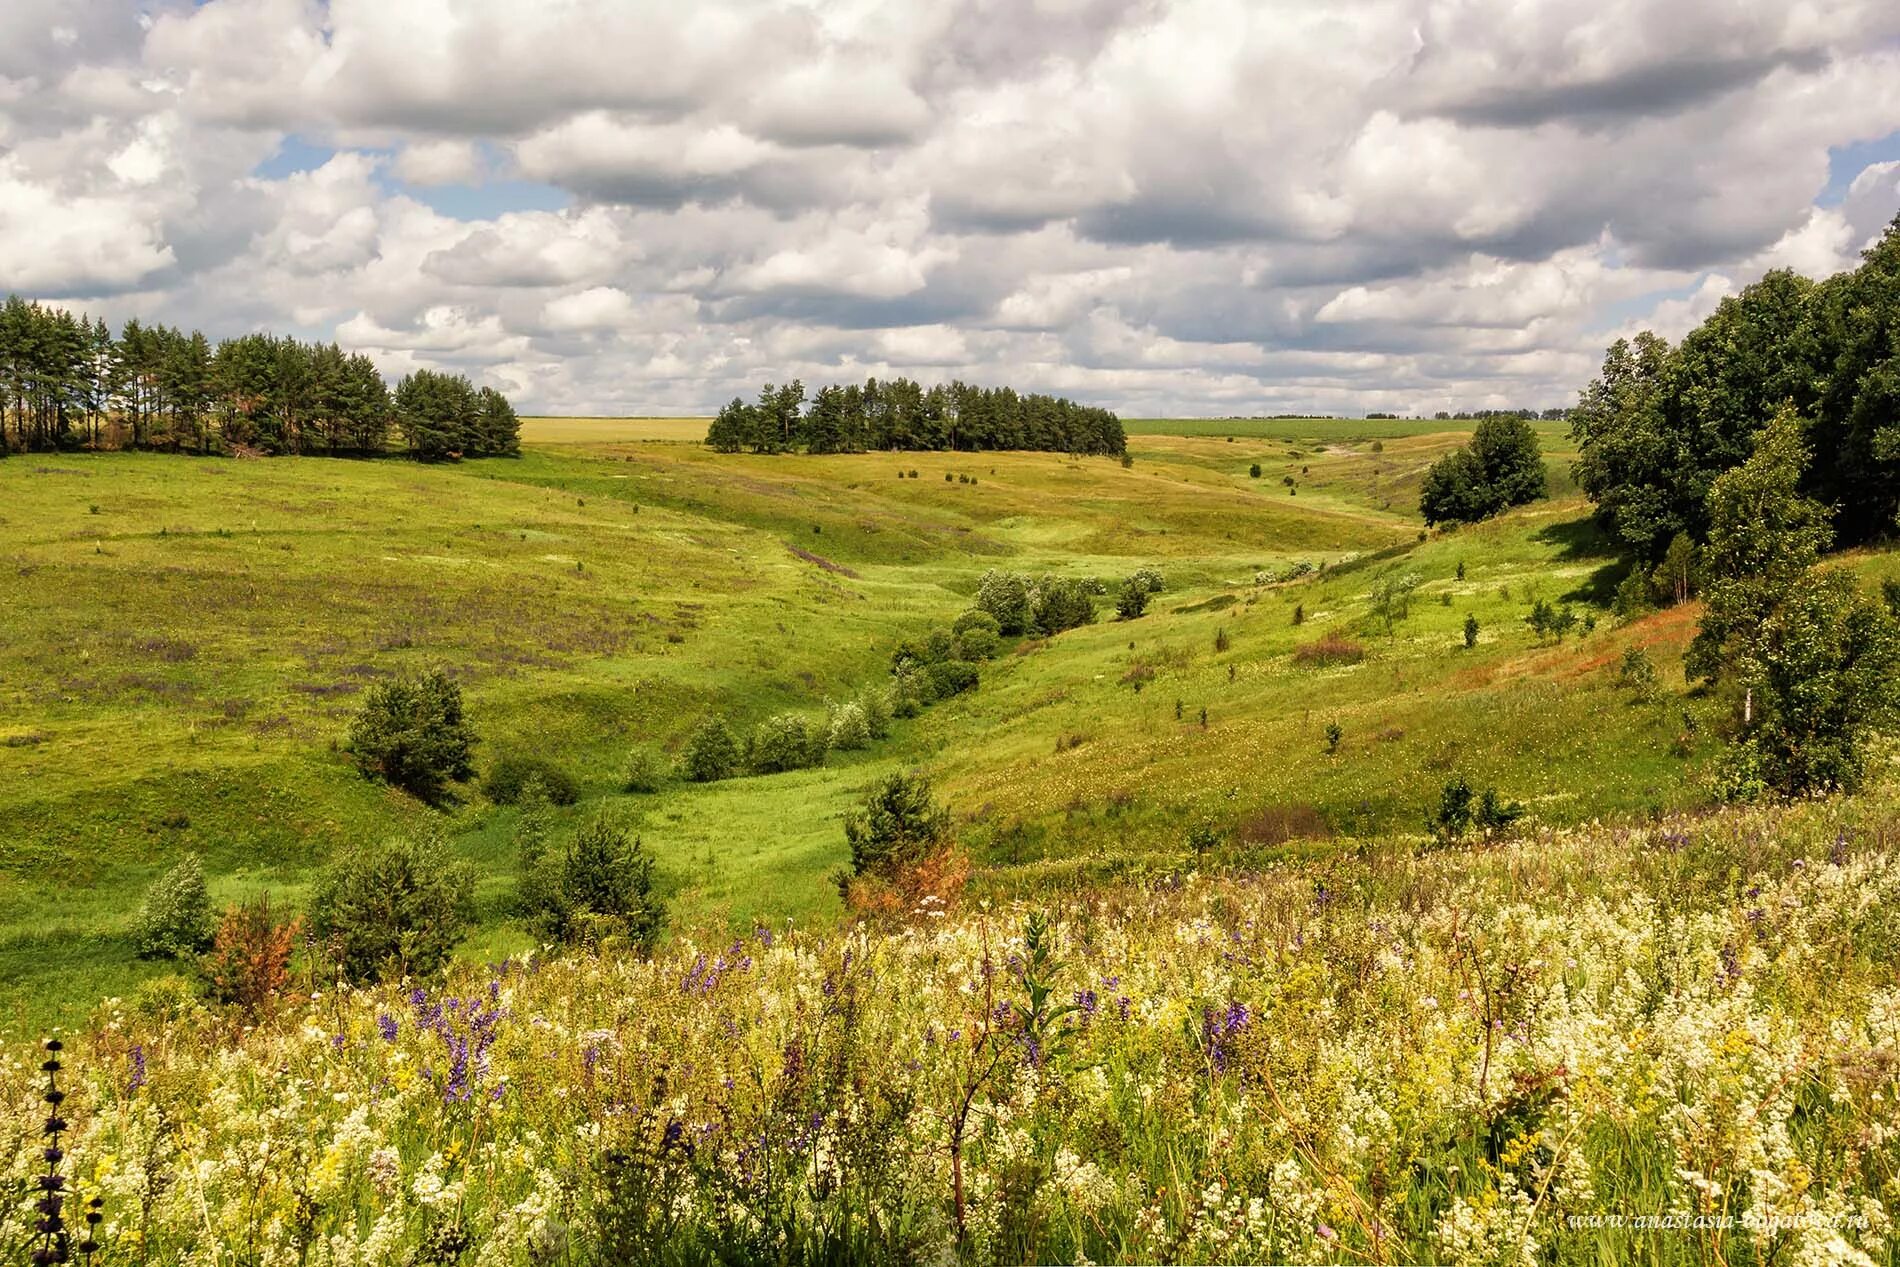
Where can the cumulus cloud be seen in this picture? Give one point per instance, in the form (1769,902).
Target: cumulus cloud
(1163,205)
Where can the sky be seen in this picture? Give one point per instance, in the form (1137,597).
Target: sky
(1168,207)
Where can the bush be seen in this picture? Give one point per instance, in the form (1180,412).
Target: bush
(974,618)
(601,888)
(903,857)
(1471,631)
(645,771)
(876,704)
(1132,602)
(1636,672)
(1059,603)
(249,961)
(1253,472)
(847,727)
(1391,597)
(412,734)
(977,643)
(1149,578)
(1004,597)
(175,919)
(951,677)
(395,909)
(511,773)
(899,821)
(712,753)
(785,741)
(1329,649)
(1461,807)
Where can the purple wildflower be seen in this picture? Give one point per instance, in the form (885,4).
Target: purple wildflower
(387,1024)
(138,1069)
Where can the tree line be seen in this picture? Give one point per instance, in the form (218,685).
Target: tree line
(1662,423)
(67,382)
(900,413)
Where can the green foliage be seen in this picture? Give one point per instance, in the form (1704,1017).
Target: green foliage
(1462,807)
(1253,472)
(898,413)
(1548,620)
(898,824)
(511,773)
(1660,425)
(175,920)
(1132,600)
(944,679)
(644,771)
(712,753)
(443,416)
(1391,597)
(1637,672)
(1501,467)
(847,727)
(1674,579)
(1334,733)
(601,887)
(785,741)
(1471,631)
(411,733)
(1763,534)
(393,910)
(1822,676)
(1004,597)
(977,643)
(1059,603)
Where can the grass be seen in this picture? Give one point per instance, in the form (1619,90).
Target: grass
(184,641)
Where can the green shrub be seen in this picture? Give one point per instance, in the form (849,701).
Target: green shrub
(876,704)
(785,741)
(712,753)
(1471,631)
(511,773)
(1004,597)
(1059,603)
(644,771)
(1462,807)
(1636,672)
(846,726)
(411,733)
(977,643)
(898,824)
(974,618)
(951,677)
(1253,472)
(601,887)
(1132,602)
(395,909)
(175,919)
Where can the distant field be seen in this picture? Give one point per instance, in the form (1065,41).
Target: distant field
(610,430)
(182,642)
(1307,428)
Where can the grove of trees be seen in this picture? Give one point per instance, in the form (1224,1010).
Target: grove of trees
(67,382)
(1660,424)
(899,413)
(1501,467)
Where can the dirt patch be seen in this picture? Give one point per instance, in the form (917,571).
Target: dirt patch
(821,561)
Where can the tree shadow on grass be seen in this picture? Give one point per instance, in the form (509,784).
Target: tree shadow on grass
(1581,539)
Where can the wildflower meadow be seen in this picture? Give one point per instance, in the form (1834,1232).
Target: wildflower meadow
(1674,1042)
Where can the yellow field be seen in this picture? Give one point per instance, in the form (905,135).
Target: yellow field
(611,430)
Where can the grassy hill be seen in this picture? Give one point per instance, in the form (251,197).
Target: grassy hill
(182,642)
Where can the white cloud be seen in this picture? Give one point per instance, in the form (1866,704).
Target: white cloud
(596,308)
(1203,205)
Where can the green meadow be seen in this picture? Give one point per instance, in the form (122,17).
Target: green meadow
(183,642)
